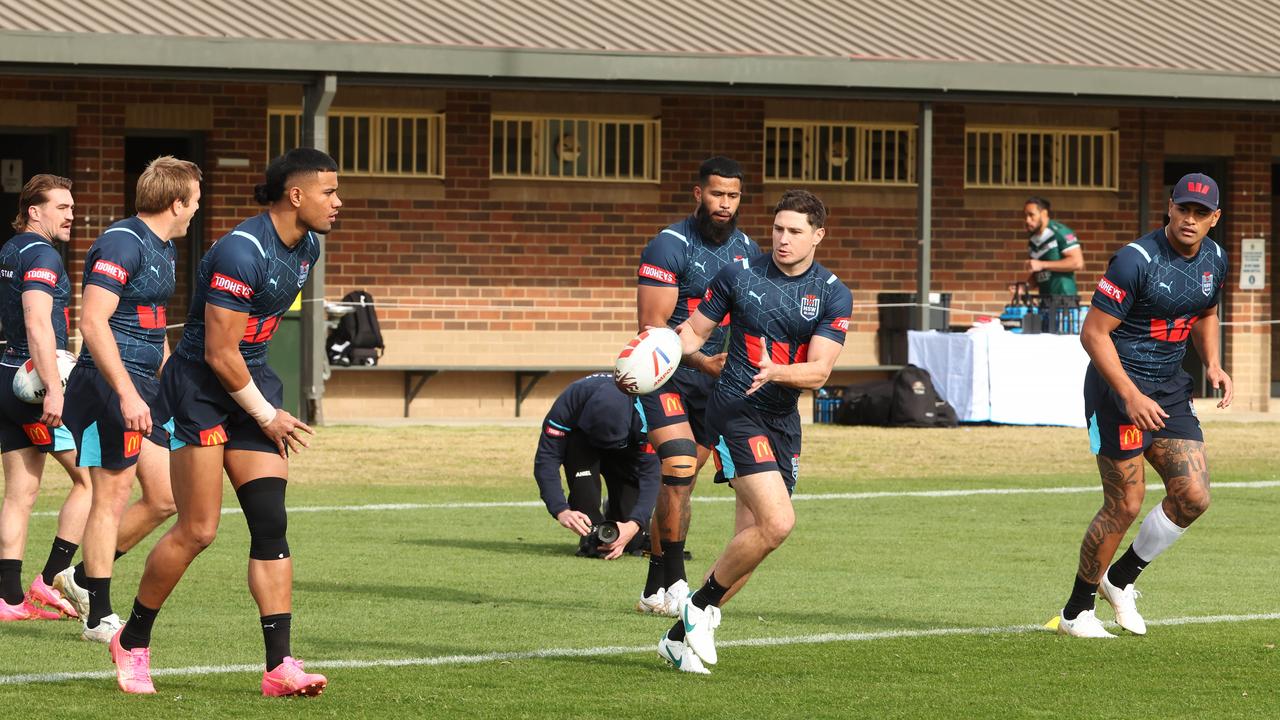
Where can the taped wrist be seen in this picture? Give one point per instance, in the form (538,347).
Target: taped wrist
(263,503)
(250,398)
(679,461)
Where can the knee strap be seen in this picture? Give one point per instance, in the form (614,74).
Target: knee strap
(263,503)
(679,461)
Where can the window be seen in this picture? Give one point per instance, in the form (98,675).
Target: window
(839,153)
(1057,159)
(370,143)
(543,147)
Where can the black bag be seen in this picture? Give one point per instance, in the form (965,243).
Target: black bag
(865,404)
(358,338)
(916,402)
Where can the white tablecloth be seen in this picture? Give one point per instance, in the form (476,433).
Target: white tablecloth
(1005,377)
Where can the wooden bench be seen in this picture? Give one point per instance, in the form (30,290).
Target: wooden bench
(415,376)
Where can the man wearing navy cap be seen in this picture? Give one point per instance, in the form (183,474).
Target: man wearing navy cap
(1157,293)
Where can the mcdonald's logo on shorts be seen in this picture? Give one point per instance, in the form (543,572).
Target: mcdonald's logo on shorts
(761,449)
(213,436)
(132,443)
(1130,437)
(38,433)
(671,404)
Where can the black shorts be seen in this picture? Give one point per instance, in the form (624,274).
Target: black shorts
(1112,434)
(750,441)
(20,425)
(682,400)
(94,419)
(205,414)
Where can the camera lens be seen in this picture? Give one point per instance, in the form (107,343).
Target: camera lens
(607,532)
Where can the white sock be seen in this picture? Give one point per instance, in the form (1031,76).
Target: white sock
(1157,533)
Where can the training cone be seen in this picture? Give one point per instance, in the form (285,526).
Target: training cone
(1053,622)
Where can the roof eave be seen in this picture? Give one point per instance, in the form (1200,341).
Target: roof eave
(275,58)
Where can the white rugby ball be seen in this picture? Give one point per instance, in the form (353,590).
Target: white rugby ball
(647,362)
(27,385)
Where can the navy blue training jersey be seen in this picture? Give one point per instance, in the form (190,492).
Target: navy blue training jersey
(248,270)
(1158,295)
(135,264)
(775,316)
(29,262)
(679,257)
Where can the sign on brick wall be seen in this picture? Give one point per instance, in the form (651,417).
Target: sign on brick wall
(1253,264)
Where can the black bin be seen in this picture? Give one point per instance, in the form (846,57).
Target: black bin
(891,337)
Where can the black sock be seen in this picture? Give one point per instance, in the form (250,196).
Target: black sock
(676,633)
(1125,571)
(11,581)
(59,559)
(1082,597)
(81,577)
(137,631)
(275,636)
(656,576)
(673,561)
(712,593)
(99,590)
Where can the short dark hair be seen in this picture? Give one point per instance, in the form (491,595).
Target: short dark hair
(1042,203)
(803,201)
(36,192)
(298,161)
(720,166)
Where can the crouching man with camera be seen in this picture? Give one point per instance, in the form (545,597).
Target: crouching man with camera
(594,430)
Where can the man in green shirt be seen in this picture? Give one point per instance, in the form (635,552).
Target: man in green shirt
(1055,251)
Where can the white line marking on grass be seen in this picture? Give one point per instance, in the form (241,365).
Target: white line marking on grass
(801,497)
(547,653)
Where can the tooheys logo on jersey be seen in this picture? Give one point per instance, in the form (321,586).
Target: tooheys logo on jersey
(1106,287)
(231,286)
(1206,284)
(111,270)
(653,272)
(44,275)
(809,307)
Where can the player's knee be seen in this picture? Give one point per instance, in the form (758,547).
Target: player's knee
(161,508)
(776,530)
(679,460)
(1194,504)
(1127,510)
(263,503)
(199,535)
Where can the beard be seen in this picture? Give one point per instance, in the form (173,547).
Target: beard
(712,230)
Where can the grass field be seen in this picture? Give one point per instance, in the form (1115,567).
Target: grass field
(883,604)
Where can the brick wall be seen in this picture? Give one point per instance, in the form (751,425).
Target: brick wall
(503,272)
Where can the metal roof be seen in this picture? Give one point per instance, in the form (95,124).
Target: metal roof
(1136,48)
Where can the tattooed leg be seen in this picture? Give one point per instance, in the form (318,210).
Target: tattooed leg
(1185,471)
(1122,492)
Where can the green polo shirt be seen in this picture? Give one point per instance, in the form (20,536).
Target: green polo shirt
(1052,244)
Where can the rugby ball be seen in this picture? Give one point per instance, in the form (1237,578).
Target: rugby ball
(27,385)
(647,362)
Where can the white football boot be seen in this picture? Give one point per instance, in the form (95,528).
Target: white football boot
(1086,625)
(1125,605)
(65,583)
(680,656)
(655,604)
(106,629)
(678,591)
(700,629)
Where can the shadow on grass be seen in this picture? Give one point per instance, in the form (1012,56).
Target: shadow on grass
(502,547)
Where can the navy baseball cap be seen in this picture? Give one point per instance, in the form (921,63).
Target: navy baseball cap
(1196,188)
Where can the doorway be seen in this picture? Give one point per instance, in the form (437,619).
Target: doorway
(1216,168)
(140,149)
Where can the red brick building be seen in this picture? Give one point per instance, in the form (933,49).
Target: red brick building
(499,189)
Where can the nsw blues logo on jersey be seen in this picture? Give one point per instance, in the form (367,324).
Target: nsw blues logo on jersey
(809,307)
(1206,284)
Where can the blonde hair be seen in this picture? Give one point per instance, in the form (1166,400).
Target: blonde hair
(166,179)
(36,192)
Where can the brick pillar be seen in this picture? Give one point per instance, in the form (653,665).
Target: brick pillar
(1248,346)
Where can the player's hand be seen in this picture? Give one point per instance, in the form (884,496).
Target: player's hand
(626,531)
(1035,266)
(285,429)
(714,364)
(136,413)
(1221,381)
(768,371)
(1145,412)
(575,521)
(52,406)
